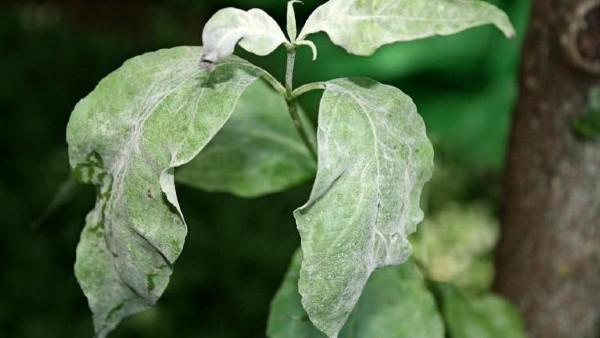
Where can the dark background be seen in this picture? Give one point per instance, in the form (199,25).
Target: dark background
(53,53)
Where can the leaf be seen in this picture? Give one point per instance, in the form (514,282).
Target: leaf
(488,316)
(394,304)
(362,26)
(258,151)
(291,20)
(287,318)
(456,246)
(374,158)
(254,30)
(153,114)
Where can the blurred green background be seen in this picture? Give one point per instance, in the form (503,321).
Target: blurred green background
(53,53)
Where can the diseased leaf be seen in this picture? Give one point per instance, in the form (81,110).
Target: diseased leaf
(456,246)
(153,114)
(394,304)
(362,26)
(487,316)
(254,30)
(257,152)
(374,158)
(291,20)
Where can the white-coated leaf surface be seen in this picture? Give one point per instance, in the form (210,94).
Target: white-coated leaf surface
(291,20)
(151,115)
(394,304)
(254,30)
(374,158)
(258,151)
(362,26)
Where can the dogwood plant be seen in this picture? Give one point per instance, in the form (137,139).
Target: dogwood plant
(224,120)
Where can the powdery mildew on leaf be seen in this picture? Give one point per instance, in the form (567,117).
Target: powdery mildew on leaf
(394,304)
(254,30)
(153,114)
(374,158)
(362,26)
(287,318)
(257,152)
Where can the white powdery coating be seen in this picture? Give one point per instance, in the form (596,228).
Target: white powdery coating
(362,26)
(374,158)
(153,114)
(257,152)
(395,304)
(254,30)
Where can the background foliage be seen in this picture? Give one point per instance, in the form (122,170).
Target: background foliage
(237,252)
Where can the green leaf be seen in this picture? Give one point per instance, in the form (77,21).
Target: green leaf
(362,26)
(254,30)
(488,316)
(374,158)
(394,304)
(455,246)
(153,114)
(258,151)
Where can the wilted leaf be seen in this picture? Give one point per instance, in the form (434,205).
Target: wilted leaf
(394,304)
(254,30)
(362,26)
(488,316)
(153,114)
(374,158)
(257,152)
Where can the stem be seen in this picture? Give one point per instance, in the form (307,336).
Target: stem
(307,88)
(292,103)
(292,106)
(275,84)
(289,70)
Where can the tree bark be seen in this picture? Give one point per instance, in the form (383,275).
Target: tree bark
(549,255)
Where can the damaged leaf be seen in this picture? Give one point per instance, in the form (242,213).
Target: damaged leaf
(151,115)
(362,26)
(374,158)
(258,151)
(254,30)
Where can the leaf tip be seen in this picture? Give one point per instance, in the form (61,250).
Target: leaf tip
(509,30)
(505,25)
(312,47)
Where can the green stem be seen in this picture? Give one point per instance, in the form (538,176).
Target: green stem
(292,103)
(307,88)
(292,106)
(274,83)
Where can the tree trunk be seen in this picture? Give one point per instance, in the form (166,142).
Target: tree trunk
(549,256)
